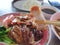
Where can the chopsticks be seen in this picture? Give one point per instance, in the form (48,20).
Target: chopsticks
(36,12)
(55,23)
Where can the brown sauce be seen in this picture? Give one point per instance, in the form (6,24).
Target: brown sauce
(57,30)
(49,11)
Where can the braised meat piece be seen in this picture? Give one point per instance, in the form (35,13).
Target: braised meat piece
(25,33)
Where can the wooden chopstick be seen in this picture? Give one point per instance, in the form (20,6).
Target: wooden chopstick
(53,22)
(57,23)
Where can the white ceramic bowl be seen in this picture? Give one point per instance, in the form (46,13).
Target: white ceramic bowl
(54,18)
(46,6)
(25,5)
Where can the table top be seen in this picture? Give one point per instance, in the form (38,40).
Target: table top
(6,7)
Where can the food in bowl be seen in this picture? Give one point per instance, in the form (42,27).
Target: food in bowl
(24,31)
(56,29)
(28,4)
(21,29)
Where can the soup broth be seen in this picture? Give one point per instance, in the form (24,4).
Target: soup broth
(49,11)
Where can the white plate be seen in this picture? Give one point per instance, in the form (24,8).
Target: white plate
(20,5)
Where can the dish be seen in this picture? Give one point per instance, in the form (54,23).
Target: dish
(21,28)
(46,14)
(25,5)
(45,33)
(56,29)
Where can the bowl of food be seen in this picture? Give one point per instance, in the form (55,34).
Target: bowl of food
(48,10)
(21,29)
(56,29)
(25,5)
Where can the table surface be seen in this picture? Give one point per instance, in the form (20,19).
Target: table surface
(6,7)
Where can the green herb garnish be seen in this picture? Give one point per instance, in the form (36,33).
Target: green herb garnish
(4,35)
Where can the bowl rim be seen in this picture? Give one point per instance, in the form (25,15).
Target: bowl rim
(49,38)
